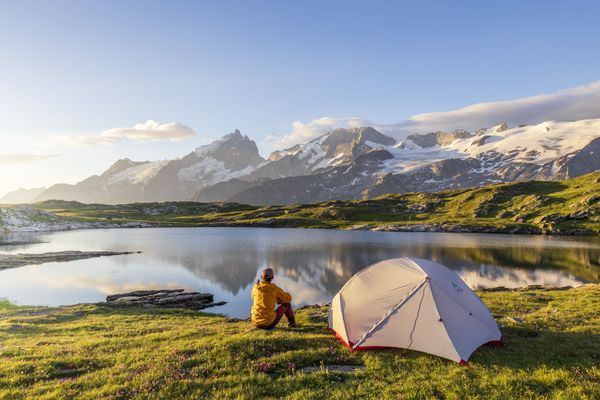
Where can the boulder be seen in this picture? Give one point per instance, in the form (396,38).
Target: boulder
(164,298)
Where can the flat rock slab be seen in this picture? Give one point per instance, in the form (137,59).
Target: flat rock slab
(164,298)
(20,260)
(345,369)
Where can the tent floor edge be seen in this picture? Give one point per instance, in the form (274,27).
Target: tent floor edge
(359,348)
(496,343)
(341,339)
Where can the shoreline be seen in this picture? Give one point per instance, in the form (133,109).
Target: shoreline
(526,230)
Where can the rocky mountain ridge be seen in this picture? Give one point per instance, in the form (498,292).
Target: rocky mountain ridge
(127,181)
(346,164)
(434,161)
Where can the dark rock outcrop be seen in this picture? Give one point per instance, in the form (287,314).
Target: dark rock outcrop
(164,298)
(438,138)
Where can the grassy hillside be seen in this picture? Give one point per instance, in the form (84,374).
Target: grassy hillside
(563,207)
(95,352)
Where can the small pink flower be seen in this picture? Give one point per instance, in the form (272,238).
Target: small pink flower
(265,367)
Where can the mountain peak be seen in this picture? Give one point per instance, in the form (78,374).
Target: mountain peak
(356,135)
(236,134)
(500,128)
(121,165)
(431,139)
(122,162)
(336,147)
(347,142)
(233,137)
(234,152)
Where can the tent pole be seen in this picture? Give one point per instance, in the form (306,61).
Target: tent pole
(389,313)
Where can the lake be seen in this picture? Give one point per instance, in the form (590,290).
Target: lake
(311,264)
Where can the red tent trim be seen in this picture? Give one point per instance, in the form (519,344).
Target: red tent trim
(496,343)
(493,343)
(359,348)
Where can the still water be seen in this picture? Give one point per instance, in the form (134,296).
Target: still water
(310,264)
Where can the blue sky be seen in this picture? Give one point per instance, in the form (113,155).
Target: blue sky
(85,67)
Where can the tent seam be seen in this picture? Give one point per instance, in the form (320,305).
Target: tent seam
(386,316)
(437,310)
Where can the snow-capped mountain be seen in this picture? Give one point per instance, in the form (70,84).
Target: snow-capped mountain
(338,147)
(349,164)
(434,161)
(496,147)
(127,181)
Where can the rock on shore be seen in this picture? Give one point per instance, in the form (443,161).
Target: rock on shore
(462,228)
(164,298)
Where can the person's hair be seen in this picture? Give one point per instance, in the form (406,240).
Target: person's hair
(267,274)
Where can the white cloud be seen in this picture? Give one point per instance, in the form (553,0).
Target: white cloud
(304,132)
(21,158)
(106,284)
(142,132)
(577,103)
(581,102)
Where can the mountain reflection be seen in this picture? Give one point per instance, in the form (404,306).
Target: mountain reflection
(234,270)
(328,265)
(485,267)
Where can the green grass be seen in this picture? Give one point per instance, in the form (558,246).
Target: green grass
(6,305)
(571,206)
(93,351)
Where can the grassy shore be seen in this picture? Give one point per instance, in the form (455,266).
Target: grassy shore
(93,351)
(566,207)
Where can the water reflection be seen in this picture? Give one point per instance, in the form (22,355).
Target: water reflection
(482,267)
(313,264)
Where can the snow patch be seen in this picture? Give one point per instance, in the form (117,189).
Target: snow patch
(138,174)
(546,141)
(210,171)
(537,144)
(374,145)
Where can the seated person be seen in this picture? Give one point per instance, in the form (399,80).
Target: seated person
(264,297)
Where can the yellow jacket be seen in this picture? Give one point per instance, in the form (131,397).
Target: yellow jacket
(264,297)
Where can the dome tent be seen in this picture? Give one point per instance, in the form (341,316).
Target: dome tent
(414,304)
